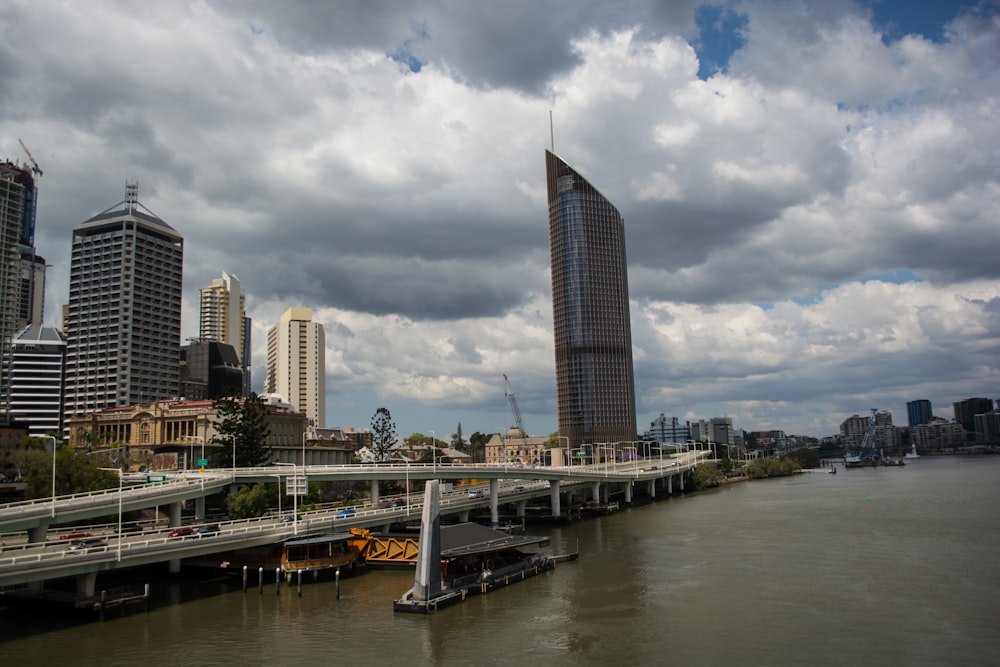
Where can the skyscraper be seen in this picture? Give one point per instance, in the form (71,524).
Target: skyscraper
(595,385)
(17,237)
(296,363)
(36,383)
(223,318)
(123,321)
(918,412)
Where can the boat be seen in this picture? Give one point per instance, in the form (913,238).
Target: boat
(912,454)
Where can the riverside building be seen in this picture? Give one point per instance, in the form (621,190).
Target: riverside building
(296,363)
(123,321)
(595,386)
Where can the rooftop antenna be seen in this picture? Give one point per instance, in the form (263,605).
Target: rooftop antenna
(552,134)
(131,193)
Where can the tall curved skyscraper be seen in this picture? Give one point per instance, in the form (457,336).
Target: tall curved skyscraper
(595,384)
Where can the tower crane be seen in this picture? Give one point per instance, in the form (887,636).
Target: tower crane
(34,165)
(513,405)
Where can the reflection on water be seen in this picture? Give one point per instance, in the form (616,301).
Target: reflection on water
(867,567)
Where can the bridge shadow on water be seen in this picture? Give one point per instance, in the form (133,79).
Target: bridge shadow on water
(24,614)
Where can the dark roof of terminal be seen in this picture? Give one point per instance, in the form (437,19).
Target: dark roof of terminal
(465,539)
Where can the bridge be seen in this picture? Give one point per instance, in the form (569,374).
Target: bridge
(38,558)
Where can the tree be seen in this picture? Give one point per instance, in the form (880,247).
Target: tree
(245,420)
(383,434)
(457,441)
(477,446)
(706,475)
(75,472)
(249,502)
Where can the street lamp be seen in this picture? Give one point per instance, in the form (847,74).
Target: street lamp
(233,436)
(433,450)
(54,448)
(119,471)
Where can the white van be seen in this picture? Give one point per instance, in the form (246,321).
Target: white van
(475,493)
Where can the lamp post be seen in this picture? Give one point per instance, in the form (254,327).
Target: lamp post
(54,448)
(433,450)
(560,438)
(233,436)
(119,471)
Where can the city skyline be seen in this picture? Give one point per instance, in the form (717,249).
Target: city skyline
(808,194)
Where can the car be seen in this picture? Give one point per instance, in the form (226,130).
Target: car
(291,518)
(210,529)
(519,487)
(87,545)
(75,536)
(398,502)
(475,493)
(181,532)
(344,513)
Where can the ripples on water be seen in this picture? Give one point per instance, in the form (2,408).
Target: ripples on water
(866,567)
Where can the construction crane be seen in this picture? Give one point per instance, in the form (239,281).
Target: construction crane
(513,405)
(34,165)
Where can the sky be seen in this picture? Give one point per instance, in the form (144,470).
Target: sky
(810,188)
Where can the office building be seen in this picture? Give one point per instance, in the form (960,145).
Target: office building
(223,318)
(918,412)
(668,430)
(36,379)
(123,320)
(296,364)
(595,386)
(210,370)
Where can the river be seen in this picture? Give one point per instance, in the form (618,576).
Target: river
(892,566)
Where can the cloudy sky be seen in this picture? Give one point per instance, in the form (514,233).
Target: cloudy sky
(810,187)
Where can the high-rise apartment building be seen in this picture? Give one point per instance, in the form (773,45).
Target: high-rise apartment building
(36,379)
(595,384)
(224,320)
(296,363)
(918,412)
(20,290)
(123,320)
(966,411)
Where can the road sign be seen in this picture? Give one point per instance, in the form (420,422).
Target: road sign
(581,454)
(202,463)
(155,478)
(297,486)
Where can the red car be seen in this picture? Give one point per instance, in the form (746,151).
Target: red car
(75,536)
(181,532)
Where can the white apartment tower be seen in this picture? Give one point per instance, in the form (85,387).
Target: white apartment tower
(123,321)
(296,363)
(223,319)
(36,383)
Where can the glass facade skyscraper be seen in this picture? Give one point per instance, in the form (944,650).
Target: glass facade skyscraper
(595,385)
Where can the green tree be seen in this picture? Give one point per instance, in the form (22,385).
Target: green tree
(249,502)
(477,446)
(457,441)
(383,434)
(804,457)
(75,472)
(245,420)
(706,475)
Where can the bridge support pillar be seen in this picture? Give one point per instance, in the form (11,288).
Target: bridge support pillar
(680,479)
(670,485)
(554,497)
(596,495)
(37,534)
(494,503)
(651,485)
(86,584)
(519,507)
(374,487)
(628,493)
(174,521)
(199,508)
(605,492)
(463,516)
